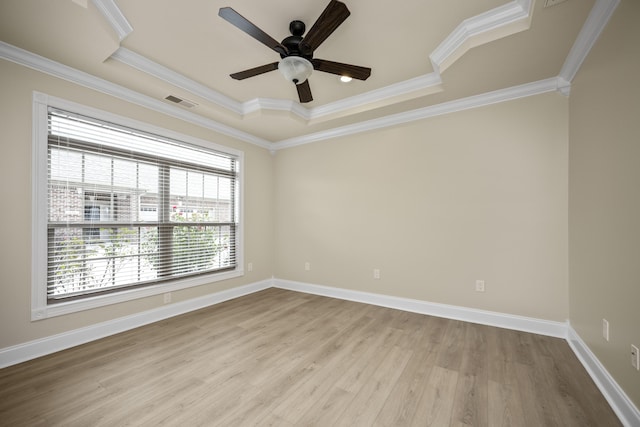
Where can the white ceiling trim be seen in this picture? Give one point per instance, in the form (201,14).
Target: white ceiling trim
(114,17)
(593,26)
(489,22)
(598,18)
(258,104)
(564,87)
(161,72)
(471,29)
(355,103)
(53,68)
(352,103)
(502,95)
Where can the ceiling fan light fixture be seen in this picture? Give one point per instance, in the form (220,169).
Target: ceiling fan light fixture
(295,69)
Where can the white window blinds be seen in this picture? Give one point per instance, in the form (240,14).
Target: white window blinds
(127,208)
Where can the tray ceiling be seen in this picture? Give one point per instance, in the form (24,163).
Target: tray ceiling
(424,54)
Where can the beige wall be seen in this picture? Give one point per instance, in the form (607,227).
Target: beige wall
(435,205)
(16,86)
(604,197)
(538,197)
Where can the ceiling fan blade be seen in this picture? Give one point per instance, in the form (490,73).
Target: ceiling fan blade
(333,15)
(304,92)
(241,75)
(248,27)
(353,71)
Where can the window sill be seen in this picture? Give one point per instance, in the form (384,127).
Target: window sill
(60,309)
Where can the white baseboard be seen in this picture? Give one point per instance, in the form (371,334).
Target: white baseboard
(619,401)
(624,408)
(41,347)
(491,318)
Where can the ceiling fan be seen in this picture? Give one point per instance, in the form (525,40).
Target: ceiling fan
(296,51)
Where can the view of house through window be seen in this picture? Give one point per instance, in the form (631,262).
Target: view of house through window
(129,209)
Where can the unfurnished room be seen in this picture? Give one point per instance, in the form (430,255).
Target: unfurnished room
(320,213)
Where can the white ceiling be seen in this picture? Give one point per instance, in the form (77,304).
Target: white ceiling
(425,55)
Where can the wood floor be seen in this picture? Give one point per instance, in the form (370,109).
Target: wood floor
(290,359)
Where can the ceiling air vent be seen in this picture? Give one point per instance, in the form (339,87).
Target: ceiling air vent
(184,102)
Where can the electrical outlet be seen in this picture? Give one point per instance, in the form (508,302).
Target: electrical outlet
(376,273)
(635,357)
(479,285)
(307,266)
(167,298)
(605,329)
(250,266)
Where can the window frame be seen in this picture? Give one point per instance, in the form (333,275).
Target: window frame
(40,308)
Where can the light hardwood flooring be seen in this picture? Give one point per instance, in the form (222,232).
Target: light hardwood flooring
(284,358)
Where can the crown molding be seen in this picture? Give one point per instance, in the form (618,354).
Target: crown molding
(502,95)
(114,17)
(564,87)
(53,68)
(139,62)
(452,48)
(459,40)
(174,78)
(598,18)
(416,84)
(591,30)
(260,104)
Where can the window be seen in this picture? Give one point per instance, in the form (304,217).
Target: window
(123,212)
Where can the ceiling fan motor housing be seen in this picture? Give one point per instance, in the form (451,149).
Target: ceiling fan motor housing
(293,42)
